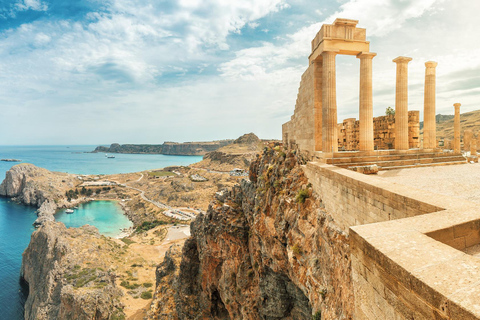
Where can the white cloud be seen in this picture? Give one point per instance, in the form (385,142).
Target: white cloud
(156,67)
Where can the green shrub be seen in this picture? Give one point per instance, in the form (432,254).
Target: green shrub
(147,284)
(302,195)
(297,249)
(147,225)
(127,285)
(146,295)
(317,315)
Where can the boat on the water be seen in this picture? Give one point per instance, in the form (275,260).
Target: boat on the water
(69,211)
(11,160)
(109,157)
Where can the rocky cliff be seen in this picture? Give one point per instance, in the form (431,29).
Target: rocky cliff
(265,249)
(168,148)
(61,285)
(37,187)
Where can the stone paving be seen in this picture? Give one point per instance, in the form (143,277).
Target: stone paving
(458,181)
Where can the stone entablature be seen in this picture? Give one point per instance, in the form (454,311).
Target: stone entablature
(383,132)
(342,35)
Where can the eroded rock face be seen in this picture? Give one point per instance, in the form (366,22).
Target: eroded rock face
(37,187)
(58,287)
(266,249)
(19,183)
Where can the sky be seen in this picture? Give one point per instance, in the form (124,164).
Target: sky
(149,71)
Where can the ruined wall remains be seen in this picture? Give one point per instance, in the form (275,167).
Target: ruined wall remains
(383,132)
(300,130)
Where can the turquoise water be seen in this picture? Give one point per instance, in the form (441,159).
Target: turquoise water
(107,216)
(16,220)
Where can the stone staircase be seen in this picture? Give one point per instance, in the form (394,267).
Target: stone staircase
(390,159)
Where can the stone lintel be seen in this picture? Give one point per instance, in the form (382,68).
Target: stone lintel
(351,48)
(335,51)
(366,55)
(345,22)
(457,104)
(431,64)
(402,59)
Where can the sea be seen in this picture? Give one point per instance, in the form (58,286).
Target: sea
(16,219)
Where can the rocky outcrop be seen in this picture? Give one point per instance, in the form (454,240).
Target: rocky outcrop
(168,148)
(60,287)
(163,304)
(265,249)
(239,154)
(37,187)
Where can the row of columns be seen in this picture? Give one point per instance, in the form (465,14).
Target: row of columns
(329,102)
(328,117)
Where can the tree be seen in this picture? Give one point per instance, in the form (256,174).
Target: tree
(390,111)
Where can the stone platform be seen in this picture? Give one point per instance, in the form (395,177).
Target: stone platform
(390,159)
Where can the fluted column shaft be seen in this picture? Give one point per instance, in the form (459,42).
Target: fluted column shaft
(317,79)
(429,123)
(401,104)
(456,128)
(366,102)
(473,147)
(329,103)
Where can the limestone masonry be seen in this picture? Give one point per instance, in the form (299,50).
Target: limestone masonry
(408,247)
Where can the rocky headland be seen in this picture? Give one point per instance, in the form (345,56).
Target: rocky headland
(69,274)
(37,187)
(265,249)
(239,154)
(167,148)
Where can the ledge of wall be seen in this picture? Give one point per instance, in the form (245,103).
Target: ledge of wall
(405,265)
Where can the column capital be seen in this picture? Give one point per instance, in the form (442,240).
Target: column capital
(402,59)
(431,64)
(330,52)
(457,104)
(366,55)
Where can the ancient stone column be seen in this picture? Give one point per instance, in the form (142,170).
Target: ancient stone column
(467,139)
(429,126)
(456,128)
(366,101)
(401,103)
(317,78)
(473,147)
(329,103)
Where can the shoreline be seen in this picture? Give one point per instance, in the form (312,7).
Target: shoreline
(124,232)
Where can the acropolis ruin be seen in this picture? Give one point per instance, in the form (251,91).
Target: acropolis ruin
(315,129)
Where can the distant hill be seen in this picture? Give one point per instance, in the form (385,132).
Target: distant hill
(239,154)
(170,148)
(468,120)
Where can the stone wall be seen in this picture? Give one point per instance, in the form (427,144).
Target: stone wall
(383,132)
(300,130)
(411,268)
(355,199)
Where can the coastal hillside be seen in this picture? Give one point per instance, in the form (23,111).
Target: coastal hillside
(265,249)
(167,148)
(70,276)
(468,121)
(239,154)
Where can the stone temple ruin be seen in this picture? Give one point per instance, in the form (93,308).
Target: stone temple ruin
(387,141)
(410,249)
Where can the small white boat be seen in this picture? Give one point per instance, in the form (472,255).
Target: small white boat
(69,211)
